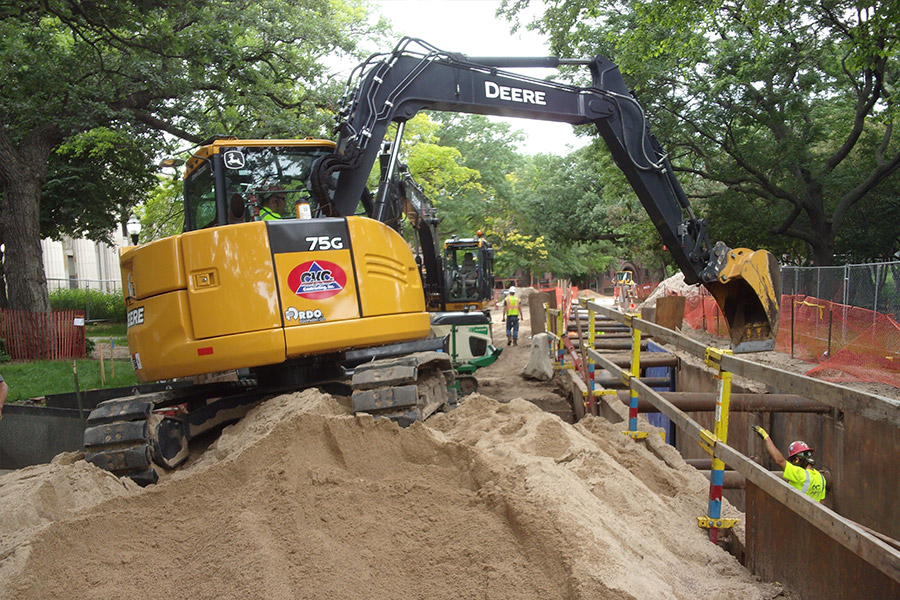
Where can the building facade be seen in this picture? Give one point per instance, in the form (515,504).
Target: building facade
(83,263)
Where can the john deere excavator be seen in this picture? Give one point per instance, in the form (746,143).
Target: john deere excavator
(299,302)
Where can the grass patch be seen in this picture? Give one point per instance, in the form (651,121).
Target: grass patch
(40,378)
(113,330)
(120,342)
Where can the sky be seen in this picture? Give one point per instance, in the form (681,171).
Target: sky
(470,27)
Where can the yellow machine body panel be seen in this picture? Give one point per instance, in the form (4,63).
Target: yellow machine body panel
(259,293)
(144,260)
(230,280)
(389,277)
(163,346)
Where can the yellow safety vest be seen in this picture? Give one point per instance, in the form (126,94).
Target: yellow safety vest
(267,214)
(511,305)
(808,481)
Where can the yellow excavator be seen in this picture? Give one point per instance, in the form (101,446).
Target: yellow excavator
(334,296)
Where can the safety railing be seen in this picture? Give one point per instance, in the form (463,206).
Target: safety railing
(845,532)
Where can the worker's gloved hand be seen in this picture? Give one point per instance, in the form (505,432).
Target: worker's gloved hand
(762,432)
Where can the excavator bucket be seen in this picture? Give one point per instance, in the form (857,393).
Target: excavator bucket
(748,291)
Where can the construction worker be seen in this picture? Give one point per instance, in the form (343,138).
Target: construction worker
(798,469)
(511,315)
(468,269)
(271,204)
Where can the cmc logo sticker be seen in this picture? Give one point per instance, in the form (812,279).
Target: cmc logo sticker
(317,279)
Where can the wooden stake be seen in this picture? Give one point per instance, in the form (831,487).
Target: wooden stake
(78,394)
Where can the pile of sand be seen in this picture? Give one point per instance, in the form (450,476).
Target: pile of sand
(672,286)
(36,498)
(300,500)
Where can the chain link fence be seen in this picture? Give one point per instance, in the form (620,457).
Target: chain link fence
(107,286)
(873,286)
(100,299)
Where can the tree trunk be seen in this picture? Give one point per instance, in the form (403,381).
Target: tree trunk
(24,170)
(821,229)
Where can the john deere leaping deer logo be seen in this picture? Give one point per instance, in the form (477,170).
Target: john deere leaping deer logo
(317,279)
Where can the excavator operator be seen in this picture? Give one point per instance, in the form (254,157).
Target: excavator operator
(271,203)
(469,272)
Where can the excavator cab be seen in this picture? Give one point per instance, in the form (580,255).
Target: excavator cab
(469,273)
(226,179)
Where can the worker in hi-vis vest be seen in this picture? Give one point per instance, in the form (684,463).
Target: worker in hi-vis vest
(511,314)
(798,467)
(271,203)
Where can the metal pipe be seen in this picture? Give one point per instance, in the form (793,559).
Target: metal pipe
(706,402)
(648,359)
(617,345)
(731,480)
(617,384)
(702,464)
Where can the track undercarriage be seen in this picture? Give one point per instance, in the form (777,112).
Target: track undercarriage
(133,436)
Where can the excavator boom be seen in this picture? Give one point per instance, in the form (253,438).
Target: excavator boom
(417,76)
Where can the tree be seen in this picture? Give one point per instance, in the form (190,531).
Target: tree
(179,67)
(763,106)
(93,179)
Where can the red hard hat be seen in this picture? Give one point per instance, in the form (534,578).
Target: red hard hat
(797,447)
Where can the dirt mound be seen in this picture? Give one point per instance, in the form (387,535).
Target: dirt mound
(36,498)
(673,285)
(300,500)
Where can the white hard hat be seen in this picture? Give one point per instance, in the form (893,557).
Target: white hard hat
(512,289)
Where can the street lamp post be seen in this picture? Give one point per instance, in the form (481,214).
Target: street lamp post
(133,226)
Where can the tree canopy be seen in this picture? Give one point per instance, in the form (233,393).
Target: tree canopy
(778,115)
(71,69)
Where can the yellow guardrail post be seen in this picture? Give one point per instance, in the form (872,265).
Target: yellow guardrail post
(592,336)
(713,520)
(635,374)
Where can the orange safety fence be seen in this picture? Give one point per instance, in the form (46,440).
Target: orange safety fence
(43,336)
(848,343)
(702,313)
(643,290)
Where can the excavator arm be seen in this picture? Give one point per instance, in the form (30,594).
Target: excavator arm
(416,76)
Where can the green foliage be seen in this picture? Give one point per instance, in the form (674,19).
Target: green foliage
(162,214)
(90,92)
(107,329)
(93,179)
(40,378)
(96,304)
(779,114)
